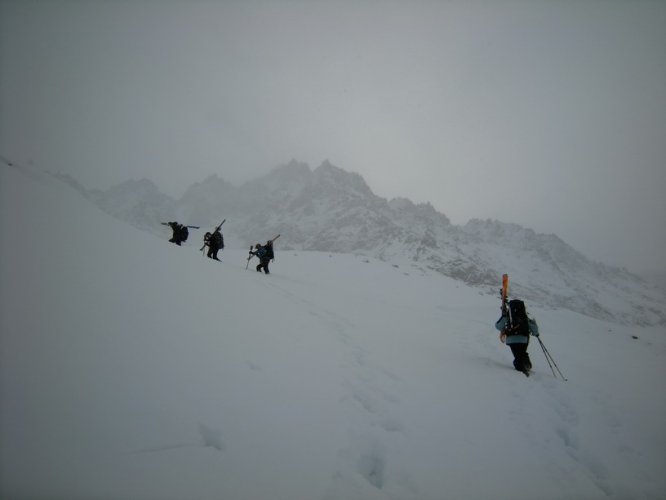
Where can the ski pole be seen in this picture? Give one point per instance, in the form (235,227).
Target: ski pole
(550,358)
(554,363)
(547,358)
(249,257)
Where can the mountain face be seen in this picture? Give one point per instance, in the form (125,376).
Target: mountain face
(328,209)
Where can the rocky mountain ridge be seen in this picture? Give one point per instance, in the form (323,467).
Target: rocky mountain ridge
(332,210)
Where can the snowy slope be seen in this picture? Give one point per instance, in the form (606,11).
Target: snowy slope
(135,369)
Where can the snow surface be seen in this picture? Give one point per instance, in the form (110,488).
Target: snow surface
(135,369)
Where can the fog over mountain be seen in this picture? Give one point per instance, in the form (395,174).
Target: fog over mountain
(330,209)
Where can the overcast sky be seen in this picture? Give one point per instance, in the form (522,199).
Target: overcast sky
(548,114)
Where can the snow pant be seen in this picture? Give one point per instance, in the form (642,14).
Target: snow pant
(175,238)
(263,264)
(521,360)
(212,252)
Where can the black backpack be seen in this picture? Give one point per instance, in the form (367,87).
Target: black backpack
(519,324)
(269,250)
(184,233)
(216,240)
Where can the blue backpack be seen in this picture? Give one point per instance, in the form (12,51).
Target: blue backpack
(261,252)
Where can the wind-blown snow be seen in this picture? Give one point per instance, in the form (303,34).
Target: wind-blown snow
(135,369)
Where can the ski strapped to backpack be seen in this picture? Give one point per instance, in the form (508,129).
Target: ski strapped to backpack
(269,248)
(169,223)
(216,229)
(180,229)
(268,253)
(504,295)
(514,312)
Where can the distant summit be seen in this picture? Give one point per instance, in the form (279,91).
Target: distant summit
(331,210)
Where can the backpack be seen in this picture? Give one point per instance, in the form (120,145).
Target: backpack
(519,320)
(269,250)
(184,233)
(261,252)
(217,240)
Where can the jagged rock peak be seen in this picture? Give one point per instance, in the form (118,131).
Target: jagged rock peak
(427,208)
(401,204)
(292,170)
(330,169)
(296,166)
(327,173)
(406,207)
(491,228)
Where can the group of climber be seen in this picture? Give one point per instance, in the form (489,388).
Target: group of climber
(215,242)
(515,326)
